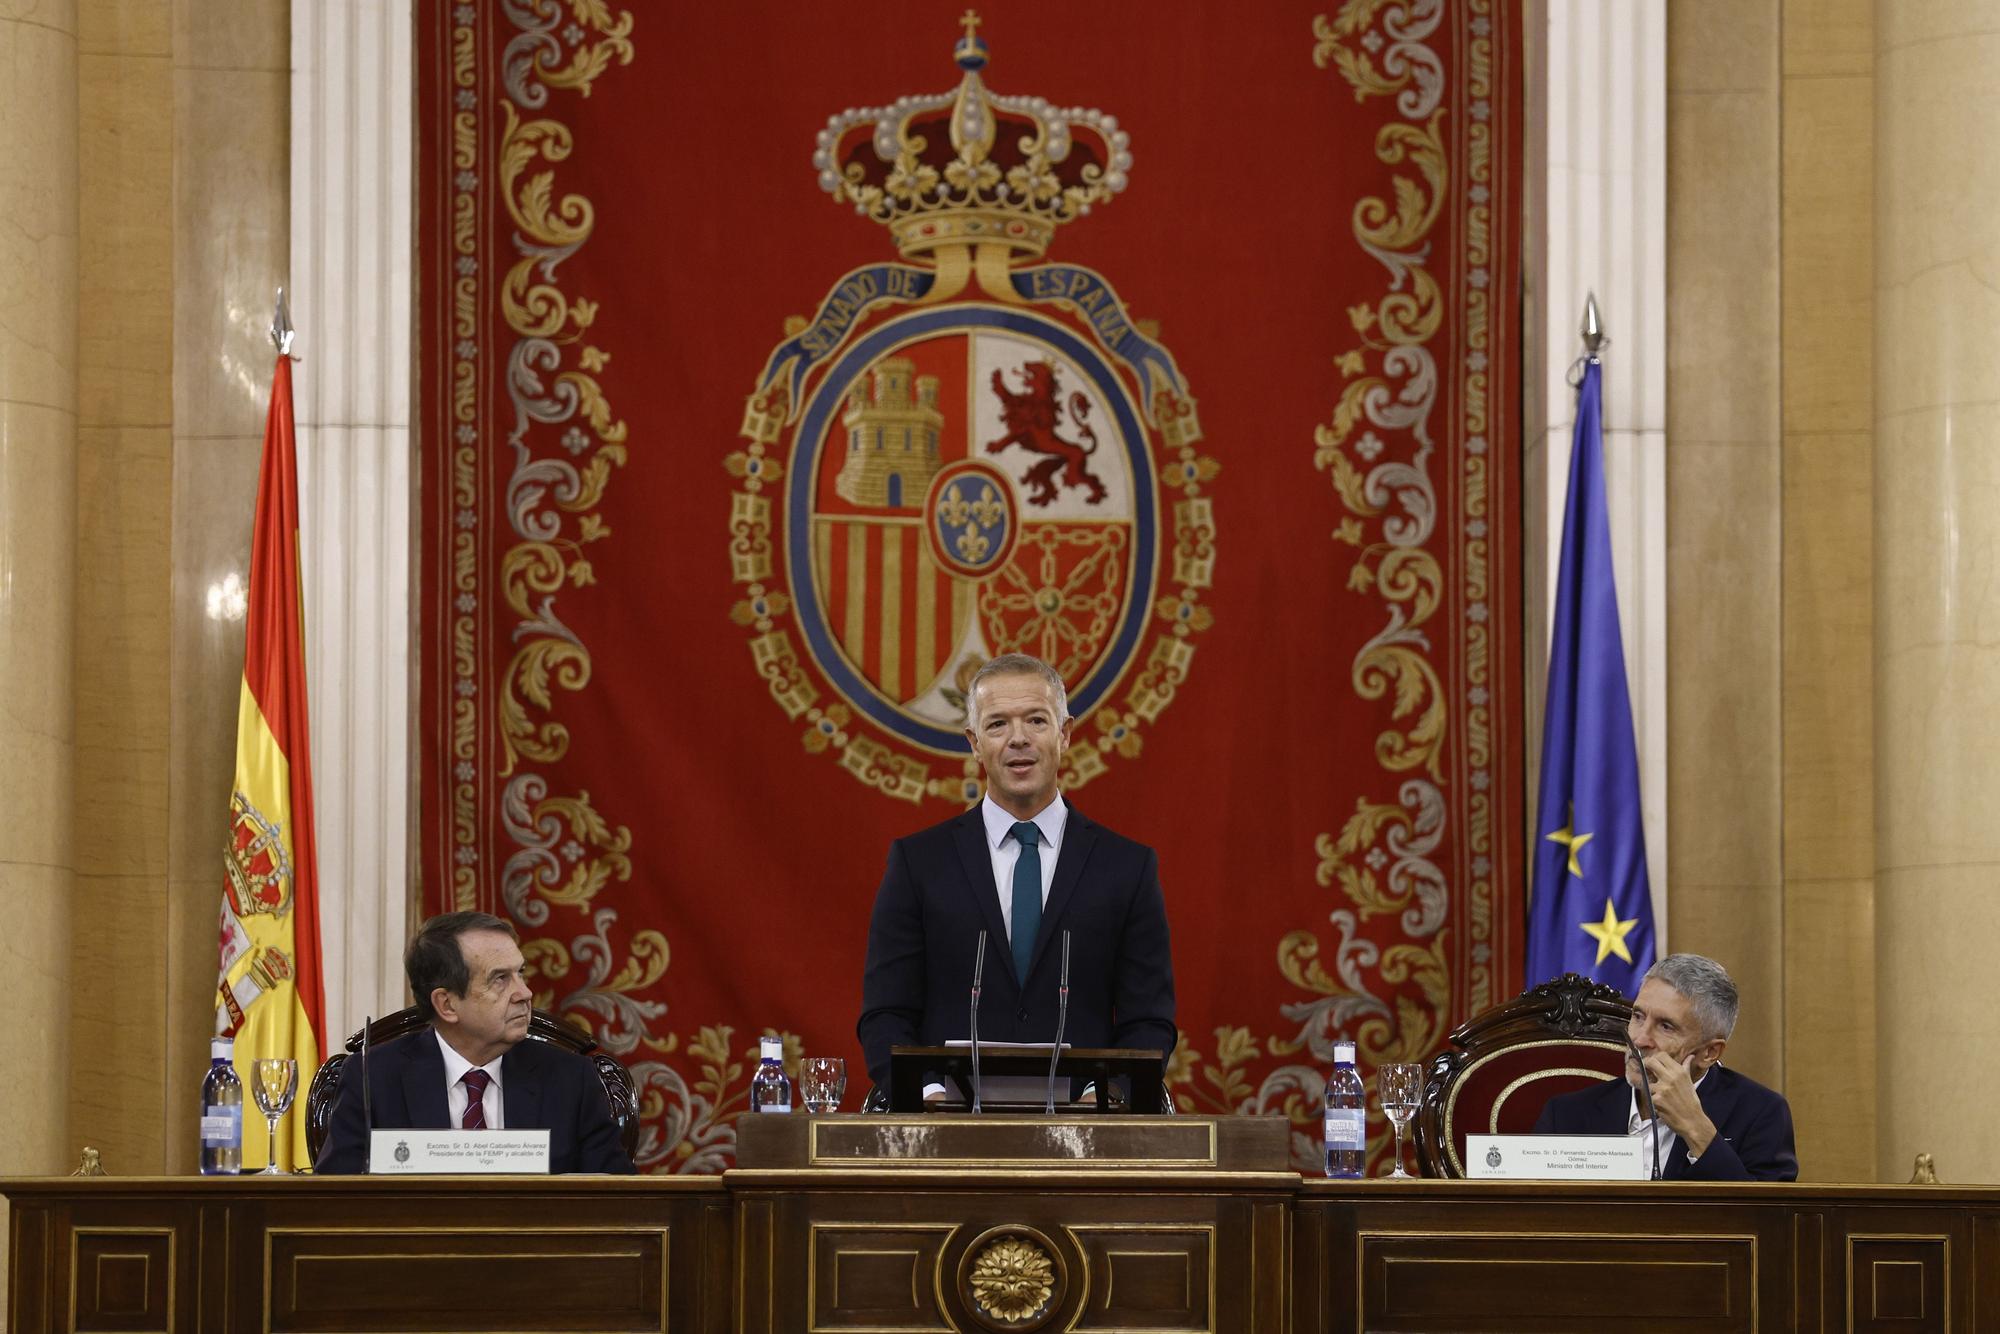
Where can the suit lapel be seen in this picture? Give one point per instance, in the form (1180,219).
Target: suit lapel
(1078,837)
(423,1083)
(969,836)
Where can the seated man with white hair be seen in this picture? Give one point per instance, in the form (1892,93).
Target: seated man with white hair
(1718,1125)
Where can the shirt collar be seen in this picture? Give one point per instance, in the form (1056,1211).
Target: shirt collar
(455,1065)
(1000,824)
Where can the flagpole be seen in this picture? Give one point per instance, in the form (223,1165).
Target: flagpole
(1593,327)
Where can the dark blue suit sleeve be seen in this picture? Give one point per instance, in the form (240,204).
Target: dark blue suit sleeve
(344,1152)
(1760,1150)
(893,981)
(1142,998)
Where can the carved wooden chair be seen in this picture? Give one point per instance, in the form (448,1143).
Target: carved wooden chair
(1506,1063)
(542,1027)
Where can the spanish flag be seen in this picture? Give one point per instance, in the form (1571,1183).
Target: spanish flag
(268,996)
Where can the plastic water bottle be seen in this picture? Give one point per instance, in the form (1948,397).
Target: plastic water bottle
(1346,1115)
(221,1112)
(770,1091)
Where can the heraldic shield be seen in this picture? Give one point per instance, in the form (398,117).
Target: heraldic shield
(969,453)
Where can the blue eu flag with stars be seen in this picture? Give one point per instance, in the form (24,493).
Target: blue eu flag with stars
(1590,910)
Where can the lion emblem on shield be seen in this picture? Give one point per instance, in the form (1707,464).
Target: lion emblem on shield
(1033,416)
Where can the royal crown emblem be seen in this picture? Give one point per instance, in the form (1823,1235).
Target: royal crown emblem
(972,452)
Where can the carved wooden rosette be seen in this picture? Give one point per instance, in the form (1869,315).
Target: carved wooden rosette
(1012,1277)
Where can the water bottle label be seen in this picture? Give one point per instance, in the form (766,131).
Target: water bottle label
(1345,1128)
(221,1127)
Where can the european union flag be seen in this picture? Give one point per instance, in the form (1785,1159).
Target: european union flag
(1590,910)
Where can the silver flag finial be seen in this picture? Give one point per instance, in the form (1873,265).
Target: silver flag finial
(281,326)
(1593,328)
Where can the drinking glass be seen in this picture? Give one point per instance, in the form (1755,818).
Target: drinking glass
(275,1081)
(822,1082)
(1401,1088)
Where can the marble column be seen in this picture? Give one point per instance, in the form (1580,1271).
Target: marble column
(1937,602)
(1724,482)
(1602,165)
(352,244)
(231,87)
(38,508)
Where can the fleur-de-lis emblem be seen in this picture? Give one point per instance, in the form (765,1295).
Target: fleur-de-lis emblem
(971,545)
(952,510)
(987,510)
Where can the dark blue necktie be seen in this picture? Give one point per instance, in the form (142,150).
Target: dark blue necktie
(1027,897)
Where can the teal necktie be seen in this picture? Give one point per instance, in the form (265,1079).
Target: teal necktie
(1027,897)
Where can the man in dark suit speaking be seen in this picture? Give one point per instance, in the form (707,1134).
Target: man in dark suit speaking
(1023,866)
(471,1069)
(1719,1125)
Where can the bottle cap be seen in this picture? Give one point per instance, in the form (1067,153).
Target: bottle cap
(221,1049)
(1343,1052)
(772,1049)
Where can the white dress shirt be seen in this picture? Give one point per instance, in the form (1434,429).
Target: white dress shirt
(1005,849)
(455,1094)
(1636,1124)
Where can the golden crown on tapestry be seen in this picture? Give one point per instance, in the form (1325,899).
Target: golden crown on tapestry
(971,167)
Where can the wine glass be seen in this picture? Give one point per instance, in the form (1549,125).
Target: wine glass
(275,1082)
(823,1082)
(1400,1086)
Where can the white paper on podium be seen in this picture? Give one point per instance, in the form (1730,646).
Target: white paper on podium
(458,1152)
(1556,1157)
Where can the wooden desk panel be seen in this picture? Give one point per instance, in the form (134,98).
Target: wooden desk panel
(300,1255)
(896,1247)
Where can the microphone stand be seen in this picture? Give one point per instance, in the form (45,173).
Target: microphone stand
(978,971)
(1062,1019)
(1652,1117)
(367,1103)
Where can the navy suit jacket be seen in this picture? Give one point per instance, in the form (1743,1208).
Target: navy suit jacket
(542,1087)
(938,894)
(1753,1127)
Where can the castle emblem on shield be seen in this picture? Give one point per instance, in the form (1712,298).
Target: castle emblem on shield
(970,452)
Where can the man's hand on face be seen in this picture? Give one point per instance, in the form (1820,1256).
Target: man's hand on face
(1676,1102)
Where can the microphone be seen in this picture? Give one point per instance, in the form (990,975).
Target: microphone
(978,971)
(1646,1092)
(1062,1018)
(367,1104)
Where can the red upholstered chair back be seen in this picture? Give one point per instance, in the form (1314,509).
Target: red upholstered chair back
(1505,1064)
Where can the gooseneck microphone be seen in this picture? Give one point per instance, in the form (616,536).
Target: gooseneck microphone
(1652,1117)
(1062,1018)
(978,971)
(367,1103)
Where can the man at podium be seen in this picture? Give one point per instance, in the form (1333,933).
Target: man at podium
(1024,869)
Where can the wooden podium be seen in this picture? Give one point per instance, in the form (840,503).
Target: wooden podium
(1012,1222)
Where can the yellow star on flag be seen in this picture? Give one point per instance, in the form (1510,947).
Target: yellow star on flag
(1574,842)
(1610,934)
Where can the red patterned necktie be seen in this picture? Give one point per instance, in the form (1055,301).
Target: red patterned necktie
(475,1082)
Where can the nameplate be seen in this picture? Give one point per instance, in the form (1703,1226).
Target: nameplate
(458,1152)
(1556,1157)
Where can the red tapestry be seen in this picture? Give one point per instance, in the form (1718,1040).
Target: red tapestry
(780,366)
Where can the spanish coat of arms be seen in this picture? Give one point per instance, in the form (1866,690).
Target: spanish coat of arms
(971,452)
